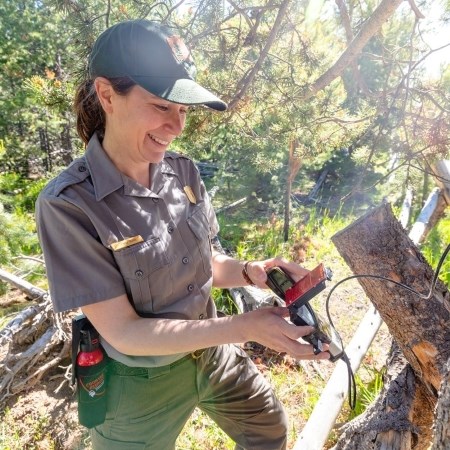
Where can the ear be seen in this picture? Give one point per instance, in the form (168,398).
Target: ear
(105,93)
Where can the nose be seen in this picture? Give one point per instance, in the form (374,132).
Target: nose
(176,121)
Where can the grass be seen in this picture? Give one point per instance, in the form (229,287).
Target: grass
(297,386)
(436,243)
(13,436)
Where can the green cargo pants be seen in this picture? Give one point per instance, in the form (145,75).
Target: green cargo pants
(148,407)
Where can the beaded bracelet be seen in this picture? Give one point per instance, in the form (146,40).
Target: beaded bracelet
(245,274)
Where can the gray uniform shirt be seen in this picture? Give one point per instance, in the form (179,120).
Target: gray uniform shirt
(86,217)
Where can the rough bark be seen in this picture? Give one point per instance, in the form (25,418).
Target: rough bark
(442,418)
(32,343)
(391,422)
(332,398)
(377,244)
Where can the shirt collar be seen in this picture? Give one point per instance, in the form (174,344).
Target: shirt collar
(106,178)
(105,175)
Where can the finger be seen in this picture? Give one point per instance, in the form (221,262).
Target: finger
(320,356)
(295,270)
(306,351)
(295,332)
(280,311)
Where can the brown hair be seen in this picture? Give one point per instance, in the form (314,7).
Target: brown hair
(89,112)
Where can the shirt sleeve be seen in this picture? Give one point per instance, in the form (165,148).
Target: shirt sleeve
(210,213)
(80,269)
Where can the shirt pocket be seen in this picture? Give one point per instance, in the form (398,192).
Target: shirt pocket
(146,271)
(199,225)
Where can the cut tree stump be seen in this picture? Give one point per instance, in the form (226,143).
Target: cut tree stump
(377,244)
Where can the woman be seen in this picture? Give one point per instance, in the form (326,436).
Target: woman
(126,232)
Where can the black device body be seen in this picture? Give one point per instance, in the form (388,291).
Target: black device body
(297,296)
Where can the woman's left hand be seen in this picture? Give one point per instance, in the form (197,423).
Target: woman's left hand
(257,270)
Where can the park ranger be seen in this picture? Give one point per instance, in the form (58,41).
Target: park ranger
(126,232)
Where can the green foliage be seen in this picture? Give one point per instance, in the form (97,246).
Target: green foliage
(18,194)
(18,237)
(201,433)
(31,46)
(367,392)
(436,243)
(224,302)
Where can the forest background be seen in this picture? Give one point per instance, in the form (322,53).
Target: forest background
(359,91)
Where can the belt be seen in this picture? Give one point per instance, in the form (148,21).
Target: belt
(117,368)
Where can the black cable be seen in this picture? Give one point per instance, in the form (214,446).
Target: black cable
(351,376)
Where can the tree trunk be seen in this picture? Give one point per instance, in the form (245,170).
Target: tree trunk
(400,417)
(442,422)
(377,244)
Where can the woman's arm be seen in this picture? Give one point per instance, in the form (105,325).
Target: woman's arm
(227,272)
(121,327)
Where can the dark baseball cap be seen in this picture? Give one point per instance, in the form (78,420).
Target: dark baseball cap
(155,58)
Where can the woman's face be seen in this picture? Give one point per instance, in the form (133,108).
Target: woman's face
(141,126)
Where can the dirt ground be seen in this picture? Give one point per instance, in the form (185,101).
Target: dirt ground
(45,416)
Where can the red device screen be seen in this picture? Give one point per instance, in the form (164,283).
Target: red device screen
(308,282)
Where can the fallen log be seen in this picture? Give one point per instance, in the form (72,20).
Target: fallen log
(32,291)
(430,214)
(405,212)
(231,205)
(30,340)
(377,244)
(442,417)
(246,298)
(441,174)
(388,423)
(315,190)
(333,396)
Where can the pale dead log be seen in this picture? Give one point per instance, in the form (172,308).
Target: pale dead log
(16,324)
(36,329)
(405,212)
(441,174)
(312,195)
(32,291)
(430,214)
(376,244)
(249,298)
(231,205)
(246,298)
(27,358)
(36,376)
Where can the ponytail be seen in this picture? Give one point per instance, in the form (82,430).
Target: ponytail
(90,117)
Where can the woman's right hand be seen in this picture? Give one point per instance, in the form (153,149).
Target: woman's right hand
(268,327)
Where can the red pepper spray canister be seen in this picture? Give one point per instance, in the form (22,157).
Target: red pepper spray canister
(89,369)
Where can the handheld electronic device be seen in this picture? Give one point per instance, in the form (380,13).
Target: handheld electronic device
(296,296)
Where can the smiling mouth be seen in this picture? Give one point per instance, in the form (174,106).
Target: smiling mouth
(158,141)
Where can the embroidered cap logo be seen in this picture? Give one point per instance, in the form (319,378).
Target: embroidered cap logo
(179,49)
